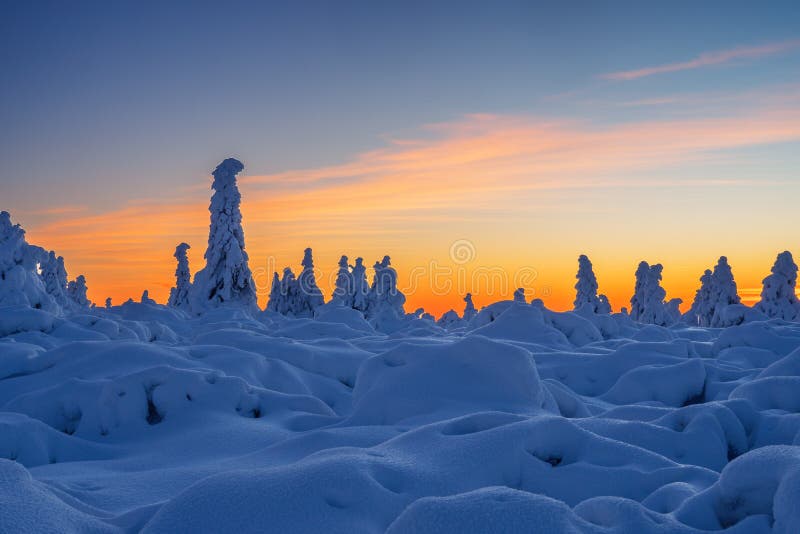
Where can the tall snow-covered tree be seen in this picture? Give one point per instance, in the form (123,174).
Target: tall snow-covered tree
(723,291)
(360,286)
(76,292)
(310,296)
(20,282)
(54,276)
(702,309)
(586,287)
(637,300)
(469,308)
(179,295)
(343,292)
(226,277)
(384,298)
(779,293)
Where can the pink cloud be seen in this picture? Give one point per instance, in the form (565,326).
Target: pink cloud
(706,59)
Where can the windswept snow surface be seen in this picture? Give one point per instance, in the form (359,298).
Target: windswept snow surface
(144,418)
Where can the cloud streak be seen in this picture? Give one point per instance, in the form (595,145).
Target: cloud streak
(707,59)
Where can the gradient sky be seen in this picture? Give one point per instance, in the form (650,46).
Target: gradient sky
(524,133)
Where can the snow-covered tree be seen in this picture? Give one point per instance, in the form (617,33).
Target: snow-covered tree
(343,292)
(519,295)
(309,294)
(226,277)
(288,302)
(717,290)
(360,286)
(647,303)
(275,298)
(586,287)
(723,291)
(108,302)
(54,276)
(469,308)
(76,292)
(637,300)
(778,296)
(384,298)
(179,295)
(146,298)
(702,309)
(20,282)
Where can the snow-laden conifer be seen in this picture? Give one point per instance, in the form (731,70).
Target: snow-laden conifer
(226,277)
(179,295)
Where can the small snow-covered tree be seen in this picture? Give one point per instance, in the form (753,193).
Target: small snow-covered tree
(226,277)
(673,311)
(778,295)
(360,286)
(647,303)
(309,295)
(723,291)
(179,295)
(146,298)
(448,319)
(586,287)
(519,295)
(54,276)
(20,282)
(108,302)
(76,292)
(469,308)
(702,309)
(384,298)
(343,292)
(275,298)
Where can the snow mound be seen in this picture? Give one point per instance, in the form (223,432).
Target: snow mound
(433,381)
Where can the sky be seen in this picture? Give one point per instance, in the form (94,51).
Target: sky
(482,145)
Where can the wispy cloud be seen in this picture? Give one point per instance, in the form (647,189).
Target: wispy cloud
(706,59)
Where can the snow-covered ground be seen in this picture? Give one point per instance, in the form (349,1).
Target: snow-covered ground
(142,417)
